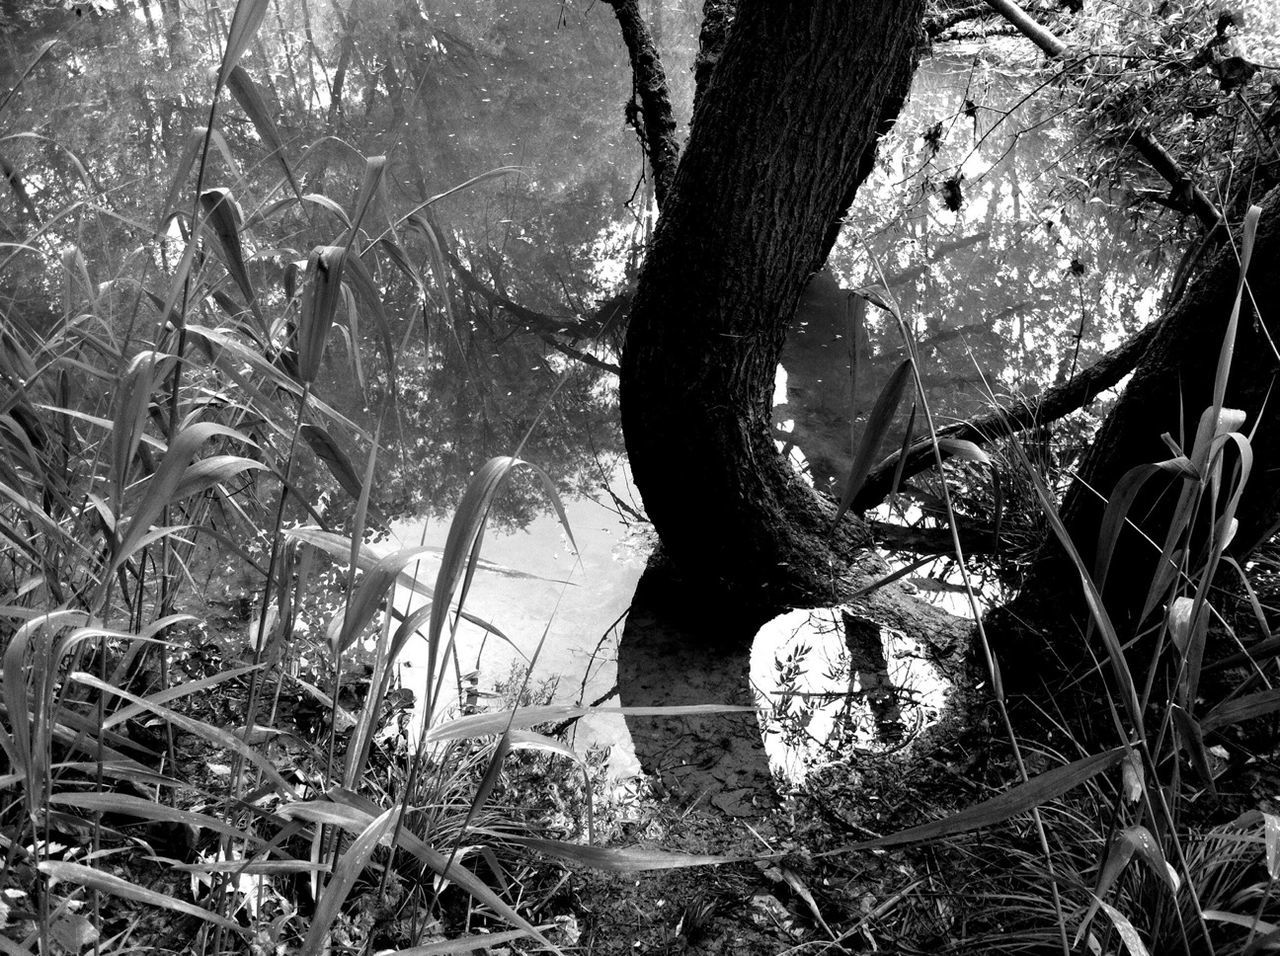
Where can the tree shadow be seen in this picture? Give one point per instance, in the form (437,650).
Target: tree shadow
(685,646)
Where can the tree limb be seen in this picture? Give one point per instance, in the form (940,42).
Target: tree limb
(1184,190)
(657,132)
(896,537)
(1056,403)
(532,320)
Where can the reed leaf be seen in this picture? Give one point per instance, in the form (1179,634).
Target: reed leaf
(464,944)
(345,873)
(160,490)
(873,434)
(321,291)
(222,215)
(1190,740)
(496,722)
(132,399)
(1035,792)
(1258,704)
(244,24)
(462,544)
(374,167)
(619,859)
(369,595)
(152,810)
(116,886)
(214,735)
(356,819)
(246,94)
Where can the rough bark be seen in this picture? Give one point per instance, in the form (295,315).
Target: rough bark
(655,123)
(781,139)
(1170,388)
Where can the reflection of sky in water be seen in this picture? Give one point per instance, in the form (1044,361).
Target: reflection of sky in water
(580,650)
(817,704)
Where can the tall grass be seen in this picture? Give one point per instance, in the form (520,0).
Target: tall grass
(172,413)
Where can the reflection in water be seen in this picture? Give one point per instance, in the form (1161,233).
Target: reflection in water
(679,648)
(831,681)
(517,592)
(1014,289)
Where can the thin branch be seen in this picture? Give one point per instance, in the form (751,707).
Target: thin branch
(1185,192)
(533,320)
(546,327)
(1056,403)
(936,24)
(940,252)
(657,132)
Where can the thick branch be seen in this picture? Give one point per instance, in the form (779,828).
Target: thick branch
(532,320)
(1184,190)
(1057,402)
(896,537)
(658,131)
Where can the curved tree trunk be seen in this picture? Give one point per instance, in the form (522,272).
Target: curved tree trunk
(781,138)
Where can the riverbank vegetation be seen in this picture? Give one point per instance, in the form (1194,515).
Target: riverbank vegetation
(277,289)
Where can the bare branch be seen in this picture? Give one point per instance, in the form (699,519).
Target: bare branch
(935,24)
(656,123)
(896,537)
(1185,192)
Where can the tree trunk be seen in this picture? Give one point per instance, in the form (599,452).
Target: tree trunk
(781,138)
(1170,388)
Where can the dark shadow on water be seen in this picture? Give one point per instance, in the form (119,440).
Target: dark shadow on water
(680,647)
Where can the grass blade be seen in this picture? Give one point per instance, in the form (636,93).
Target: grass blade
(106,883)
(873,434)
(1035,792)
(244,24)
(344,877)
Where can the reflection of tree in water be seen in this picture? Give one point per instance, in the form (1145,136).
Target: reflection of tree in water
(478,392)
(1028,281)
(681,648)
(446,89)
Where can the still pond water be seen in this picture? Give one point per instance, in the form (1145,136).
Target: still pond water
(1006,294)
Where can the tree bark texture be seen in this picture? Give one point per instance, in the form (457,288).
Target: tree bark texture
(656,123)
(717,17)
(1170,388)
(781,138)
